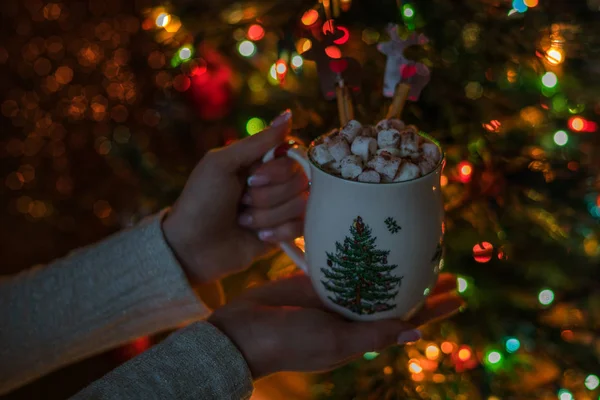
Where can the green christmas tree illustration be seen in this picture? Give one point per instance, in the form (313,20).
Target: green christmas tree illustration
(358,276)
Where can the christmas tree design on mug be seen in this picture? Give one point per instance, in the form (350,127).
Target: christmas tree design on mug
(358,276)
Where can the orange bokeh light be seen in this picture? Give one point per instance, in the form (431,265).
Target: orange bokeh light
(256,32)
(577,124)
(333,52)
(310,17)
(444,180)
(447,347)
(464,354)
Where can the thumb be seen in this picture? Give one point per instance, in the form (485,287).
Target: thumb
(250,150)
(361,337)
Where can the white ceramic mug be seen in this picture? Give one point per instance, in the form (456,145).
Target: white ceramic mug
(372,251)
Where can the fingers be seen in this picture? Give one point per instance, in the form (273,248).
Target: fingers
(277,171)
(446,283)
(273,195)
(247,151)
(283,233)
(438,307)
(296,291)
(255,218)
(356,338)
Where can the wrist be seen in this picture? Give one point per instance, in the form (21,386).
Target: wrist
(178,242)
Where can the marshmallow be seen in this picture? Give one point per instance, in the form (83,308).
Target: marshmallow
(369,131)
(426,166)
(431,152)
(351,130)
(352,166)
(388,138)
(339,148)
(391,151)
(334,168)
(406,172)
(364,147)
(321,154)
(409,141)
(386,165)
(369,176)
(393,123)
(331,136)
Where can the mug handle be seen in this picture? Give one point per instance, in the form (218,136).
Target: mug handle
(299,154)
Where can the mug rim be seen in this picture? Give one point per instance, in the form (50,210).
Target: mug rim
(414,180)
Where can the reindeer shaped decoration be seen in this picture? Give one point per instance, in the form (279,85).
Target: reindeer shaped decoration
(399,69)
(331,66)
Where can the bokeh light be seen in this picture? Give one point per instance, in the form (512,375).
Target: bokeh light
(371,355)
(163,20)
(493,357)
(564,394)
(255,125)
(554,56)
(246,48)
(549,80)
(465,353)
(297,61)
(546,297)
(577,124)
(461,285)
(185,53)
(519,5)
(561,138)
(592,382)
(432,352)
(333,52)
(310,17)
(512,345)
(256,32)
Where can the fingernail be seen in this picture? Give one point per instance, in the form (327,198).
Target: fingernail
(245,220)
(247,199)
(282,119)
(266,235)
(258,180)
(409,336)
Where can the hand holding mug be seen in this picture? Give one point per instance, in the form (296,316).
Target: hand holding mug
(206,229)
(284,326)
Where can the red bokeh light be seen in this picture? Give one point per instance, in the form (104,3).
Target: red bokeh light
(345,37)
(465,171)
(482,252)
(333,52)
(256,32)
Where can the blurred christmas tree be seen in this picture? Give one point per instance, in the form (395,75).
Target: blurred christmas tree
(108,105)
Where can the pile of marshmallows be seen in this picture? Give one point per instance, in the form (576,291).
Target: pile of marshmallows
(387,152)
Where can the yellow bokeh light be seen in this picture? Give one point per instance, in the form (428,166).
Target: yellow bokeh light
(415,367)
(303,45)
(554,56)
(464,354)
(531,3)
(163,20)
(432,352)
(388,370)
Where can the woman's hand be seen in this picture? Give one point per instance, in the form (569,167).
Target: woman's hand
(283,326)
(230,211)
